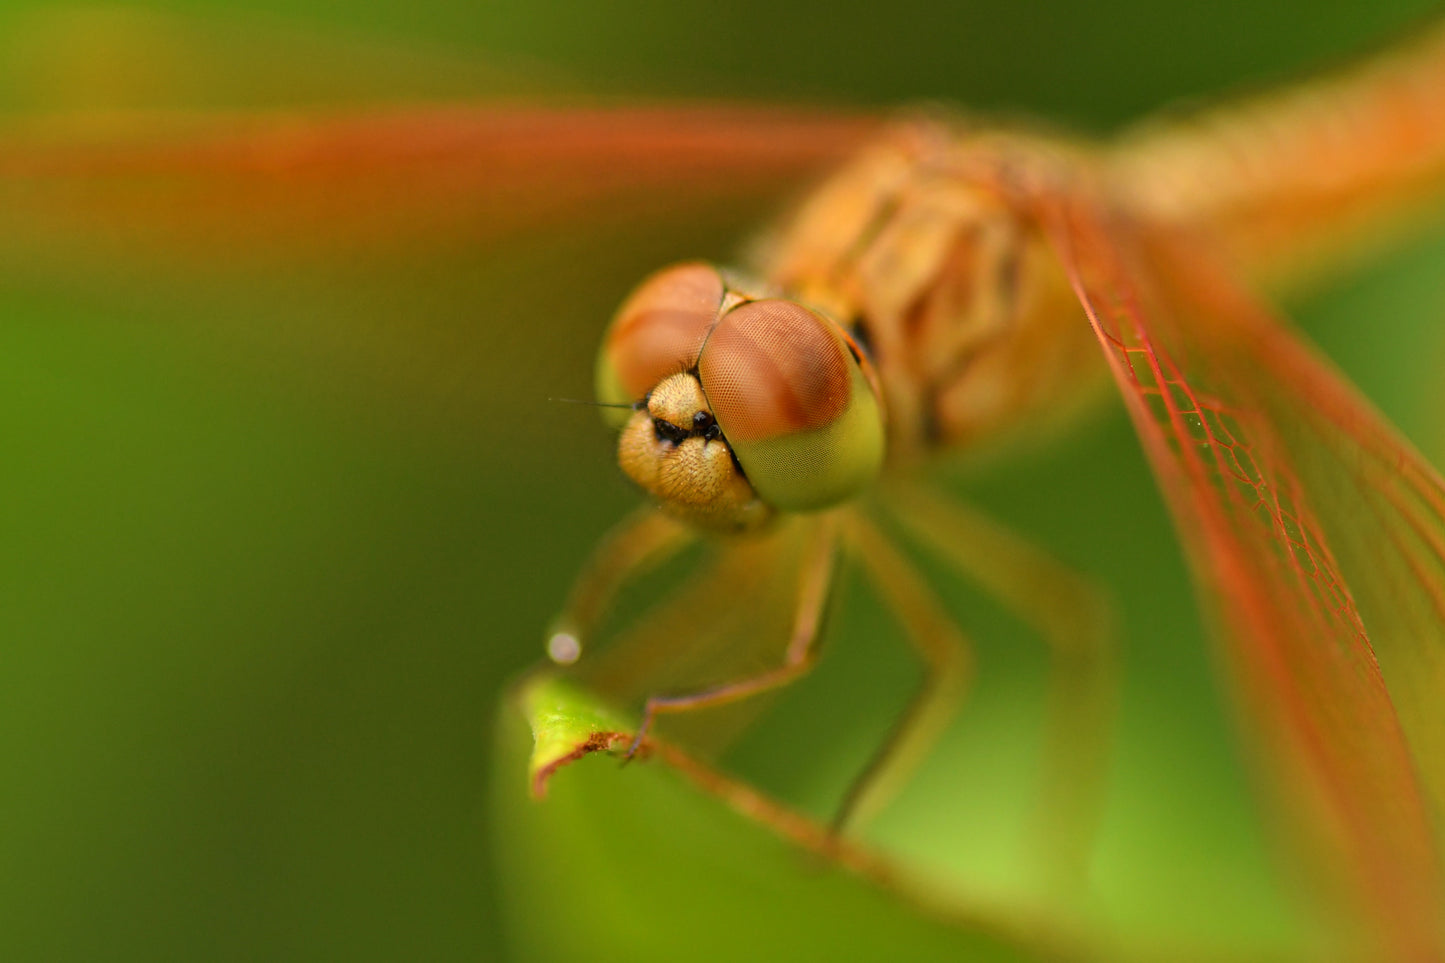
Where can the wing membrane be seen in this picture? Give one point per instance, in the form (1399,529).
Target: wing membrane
(113,130)
(1317,538)
(483,169)
(393,254)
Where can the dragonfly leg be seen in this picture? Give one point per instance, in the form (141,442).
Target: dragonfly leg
(642,540)
(802,651)
(1073,617)
(946,654)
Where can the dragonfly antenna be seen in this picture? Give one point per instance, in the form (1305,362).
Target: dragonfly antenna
(595,404)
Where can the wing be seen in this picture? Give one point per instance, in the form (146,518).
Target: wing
(119,135)
(385,251)
(482,169)
(1316,536)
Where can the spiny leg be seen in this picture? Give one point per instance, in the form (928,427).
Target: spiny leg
(1072,615)
(814,584)
(949,668)
(640,541)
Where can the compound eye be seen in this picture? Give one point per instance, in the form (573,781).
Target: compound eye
(658,332)
(794,403)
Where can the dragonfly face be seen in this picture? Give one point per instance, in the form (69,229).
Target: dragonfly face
(742,406)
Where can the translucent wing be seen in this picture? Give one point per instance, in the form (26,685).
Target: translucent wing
(388,246)
(481,170)
(184,129)
(1317,539)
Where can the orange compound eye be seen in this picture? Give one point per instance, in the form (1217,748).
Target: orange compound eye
(794,404)
(658,332)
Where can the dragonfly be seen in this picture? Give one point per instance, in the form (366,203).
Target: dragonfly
(951,285)
(957,282)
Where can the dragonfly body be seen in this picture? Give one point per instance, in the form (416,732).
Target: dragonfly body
(973,276)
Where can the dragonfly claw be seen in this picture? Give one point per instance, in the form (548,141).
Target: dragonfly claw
(639,737)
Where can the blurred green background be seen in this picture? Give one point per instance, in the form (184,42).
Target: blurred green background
(278,525)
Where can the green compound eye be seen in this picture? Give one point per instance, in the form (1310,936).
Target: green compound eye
(794,402)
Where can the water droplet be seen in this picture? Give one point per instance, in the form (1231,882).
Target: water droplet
(563,648)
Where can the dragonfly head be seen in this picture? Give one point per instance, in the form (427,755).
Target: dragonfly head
(740,406)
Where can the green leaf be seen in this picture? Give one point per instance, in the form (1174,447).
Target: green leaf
(668,858)
(565,727)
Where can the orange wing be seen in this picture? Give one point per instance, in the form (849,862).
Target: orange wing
(1317,540)
(388,260)
(122,139)
(481,170)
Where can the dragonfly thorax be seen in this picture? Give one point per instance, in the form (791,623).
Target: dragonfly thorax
(928,244)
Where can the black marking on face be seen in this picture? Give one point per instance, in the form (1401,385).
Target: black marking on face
(667,432)
(704,426)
